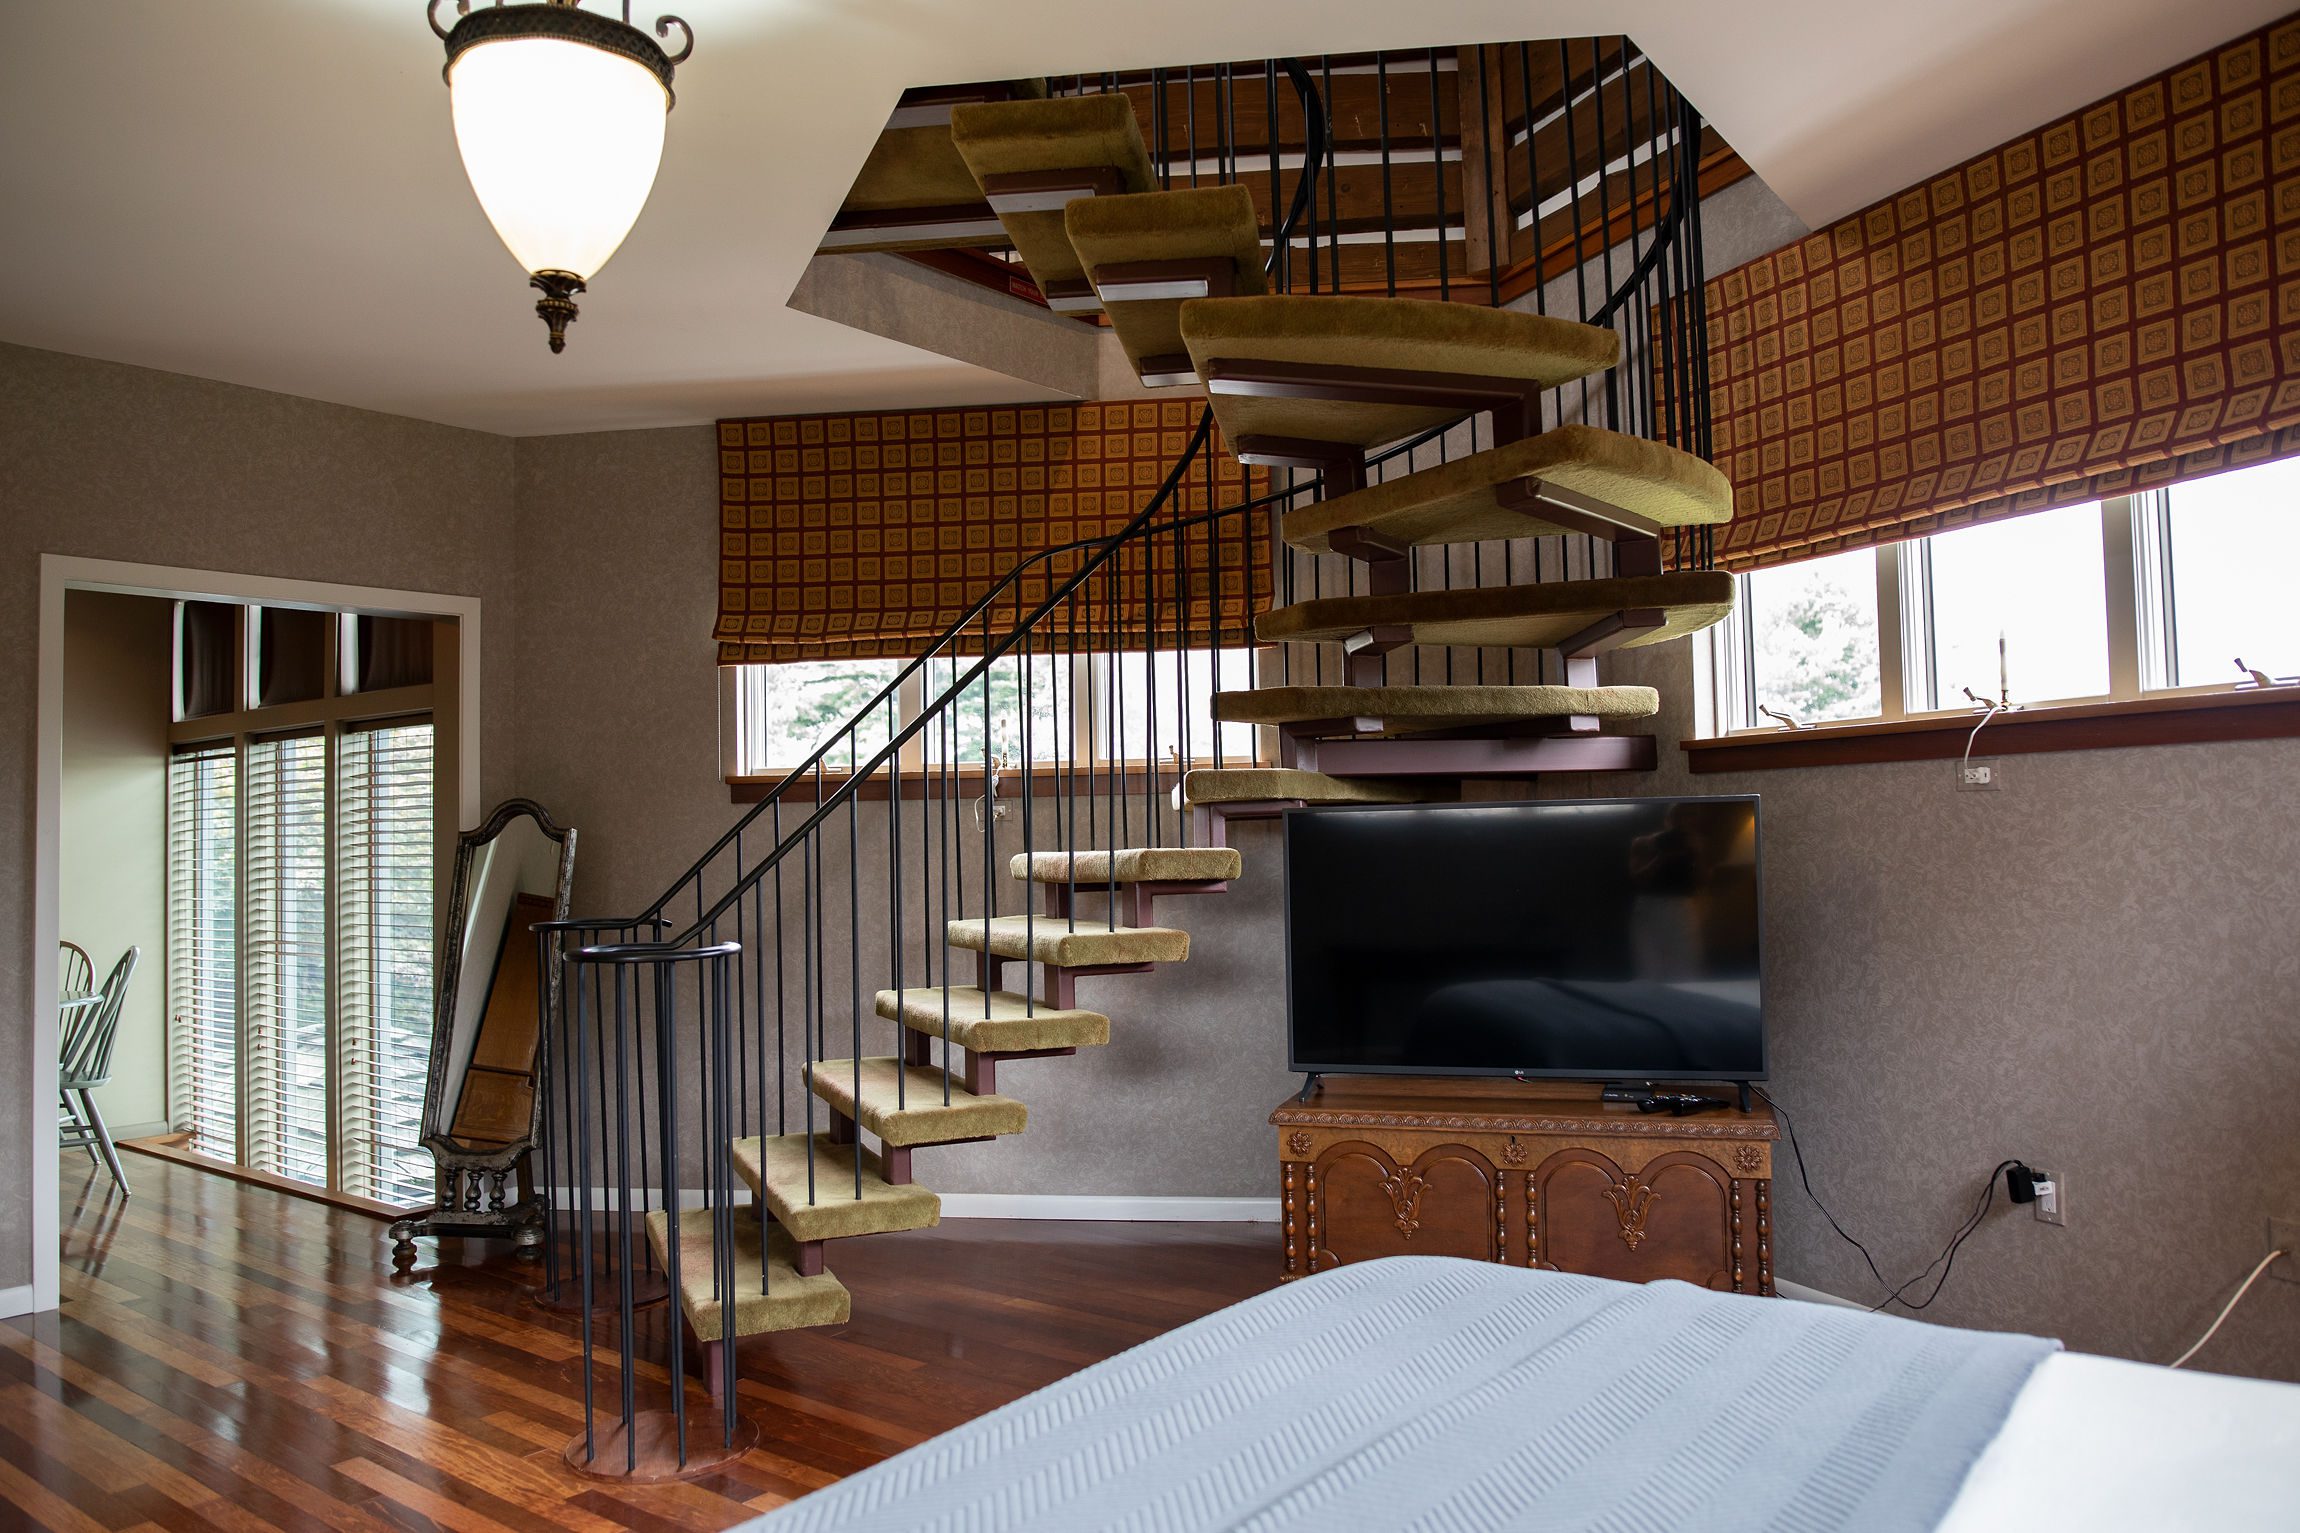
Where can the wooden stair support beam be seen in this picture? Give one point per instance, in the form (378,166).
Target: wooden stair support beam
(1318,711)
(1536,614)
(894,229)
(1132,899)
(1061,980)
(1513,402)
(1165,281)
(980,1072)
(1340,467)
(1049,191)
(1498,756)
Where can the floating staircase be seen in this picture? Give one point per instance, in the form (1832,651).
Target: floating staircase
(1322,383)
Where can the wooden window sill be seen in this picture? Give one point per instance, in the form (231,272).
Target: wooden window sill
(1045,781)
(173,1147)
(2264,714)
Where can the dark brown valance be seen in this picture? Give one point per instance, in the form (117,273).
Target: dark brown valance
(866,536)
(2102,306)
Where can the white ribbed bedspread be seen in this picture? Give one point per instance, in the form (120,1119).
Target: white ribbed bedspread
(1432,1394)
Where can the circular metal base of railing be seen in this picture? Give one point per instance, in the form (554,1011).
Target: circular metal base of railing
(648,1451)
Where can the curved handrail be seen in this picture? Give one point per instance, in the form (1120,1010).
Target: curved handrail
(1314,148)
(1100,550)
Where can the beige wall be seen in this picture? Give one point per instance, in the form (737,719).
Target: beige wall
(112,870)
(119,462)
(2088,970)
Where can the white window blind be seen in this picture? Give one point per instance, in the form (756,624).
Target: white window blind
(203,948)
(285,931)
(384,875)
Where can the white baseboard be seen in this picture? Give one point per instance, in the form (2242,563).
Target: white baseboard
(15,1301)
(1039,1205)
(1156,1210)
(152,1130)
(1789,1290)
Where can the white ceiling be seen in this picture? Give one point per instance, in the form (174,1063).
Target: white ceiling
(267,191)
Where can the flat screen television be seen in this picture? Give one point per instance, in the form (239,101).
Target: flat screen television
(1605,939)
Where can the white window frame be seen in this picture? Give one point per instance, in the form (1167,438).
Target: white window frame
(2137,617)
(741,686)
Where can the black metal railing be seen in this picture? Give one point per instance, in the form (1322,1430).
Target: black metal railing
(878,853)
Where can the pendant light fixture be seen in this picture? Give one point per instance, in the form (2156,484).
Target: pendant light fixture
(559,113)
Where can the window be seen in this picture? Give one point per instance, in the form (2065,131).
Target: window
(2105,601)
(203,947)
(2224,549)
(790,710)
(303,838)
(284,1031)
(1810,631)
(1123,707)
(2017,604)
(387,850)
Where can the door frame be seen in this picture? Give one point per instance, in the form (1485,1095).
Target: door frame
(62,573)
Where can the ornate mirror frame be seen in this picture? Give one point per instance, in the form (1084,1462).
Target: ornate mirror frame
(469,1182)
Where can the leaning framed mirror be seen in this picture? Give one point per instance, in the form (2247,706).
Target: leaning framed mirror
(483,1095)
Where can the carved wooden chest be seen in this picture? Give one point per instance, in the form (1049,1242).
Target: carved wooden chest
(1540,1175)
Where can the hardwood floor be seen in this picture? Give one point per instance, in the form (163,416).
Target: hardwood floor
(228,1357)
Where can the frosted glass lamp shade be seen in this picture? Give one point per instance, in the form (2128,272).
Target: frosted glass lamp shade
(561,141)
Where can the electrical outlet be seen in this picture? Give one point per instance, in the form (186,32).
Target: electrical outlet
(2052,1207)
(2284,1235)
(1979,776)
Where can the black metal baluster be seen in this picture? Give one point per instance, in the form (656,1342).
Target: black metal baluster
(854,950)
(667,1116)
(1437,173)
(1389,213)
(623,1224)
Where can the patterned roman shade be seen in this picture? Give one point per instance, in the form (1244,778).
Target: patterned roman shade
(2105,305)
(867,536)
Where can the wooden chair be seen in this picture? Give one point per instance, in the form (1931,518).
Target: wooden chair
(86,1064)
(75,972)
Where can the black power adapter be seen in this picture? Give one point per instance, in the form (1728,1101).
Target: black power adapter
(2020,1182)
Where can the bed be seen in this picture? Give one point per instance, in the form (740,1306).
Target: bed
(1433,1394)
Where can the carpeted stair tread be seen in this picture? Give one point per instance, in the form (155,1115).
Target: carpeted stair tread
(1461,501)
(1130,865)
(1262,785)
(1417,710)
(913,168)
(1389,334)
(1201,223)
(1536,614)
(775,1169)
(1088,943)
(921,1116)
(1000,138)
(789,1302)
(1013,1025)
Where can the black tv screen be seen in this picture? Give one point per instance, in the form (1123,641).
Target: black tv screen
(1612,939)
